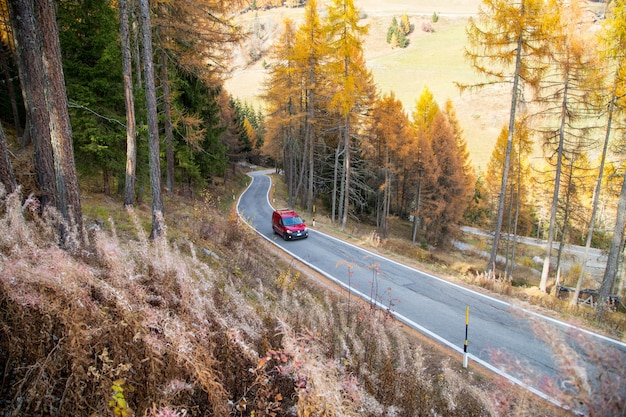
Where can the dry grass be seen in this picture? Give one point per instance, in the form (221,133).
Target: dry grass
(165,329)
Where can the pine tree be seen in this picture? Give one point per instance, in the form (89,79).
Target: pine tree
(43,85)
(405,24)
(426,169)
(283,99)
(451,196)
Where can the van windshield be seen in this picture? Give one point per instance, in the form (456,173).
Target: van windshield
(292,221)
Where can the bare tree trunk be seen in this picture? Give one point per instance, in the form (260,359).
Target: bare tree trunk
(491,266)
(346,196)
(614,252)
(416,216)
(7,79)
(153,126)
(36,27)
(596,196)
(136,29)
(335,176)
(60,127)
(6,171)
(28,43)
(169,134)
(384,226)
(555,197)
(131,128)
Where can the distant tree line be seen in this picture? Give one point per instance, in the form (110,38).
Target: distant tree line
(398,32)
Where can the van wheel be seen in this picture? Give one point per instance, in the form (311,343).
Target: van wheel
(285,236)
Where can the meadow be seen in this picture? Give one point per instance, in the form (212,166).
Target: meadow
(432,59)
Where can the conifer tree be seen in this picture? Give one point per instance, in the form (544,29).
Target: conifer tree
(614,38)
(425,167)
(405,24)
(310,50)
(451,196)
(567,91)
(346,71)
(391,142)
(505,44)
(45,96)
(284,101)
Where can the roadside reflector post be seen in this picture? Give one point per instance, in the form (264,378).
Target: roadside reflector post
(465,344)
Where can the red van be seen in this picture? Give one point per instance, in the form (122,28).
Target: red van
(289,225)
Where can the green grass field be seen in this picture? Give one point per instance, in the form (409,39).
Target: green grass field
(436,60)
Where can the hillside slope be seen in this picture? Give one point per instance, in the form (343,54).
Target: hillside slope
(205,321)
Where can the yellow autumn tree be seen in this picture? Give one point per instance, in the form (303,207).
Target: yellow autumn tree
(505,44)
(309,52)
(346,71)
(614,37)
(285,100)
(392,140)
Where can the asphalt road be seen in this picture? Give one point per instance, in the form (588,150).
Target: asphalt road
(500,335)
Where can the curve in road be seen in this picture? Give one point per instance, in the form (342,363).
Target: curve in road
(429,304)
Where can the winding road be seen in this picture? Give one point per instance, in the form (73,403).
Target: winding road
(501,335)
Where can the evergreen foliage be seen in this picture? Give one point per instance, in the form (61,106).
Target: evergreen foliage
(397,32)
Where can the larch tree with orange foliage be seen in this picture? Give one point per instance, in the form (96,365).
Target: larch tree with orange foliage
(347,72)
(309,53)
(425,167)
(615,40)
(214,33)
(284,105)
(506,42)
(567,92)
(391,141)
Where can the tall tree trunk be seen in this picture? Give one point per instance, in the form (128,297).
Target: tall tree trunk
(29,45)
(6,171)
(614,253)
(555,197)
(60,128)
(169,133)
(7,79)
(416,216)
(491,266)
(131,127)
(612,262)
(311,170)
(347,168)
(564,229)
(335,176)
(36,26)
(153,125)
(136,30)
(596,193)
